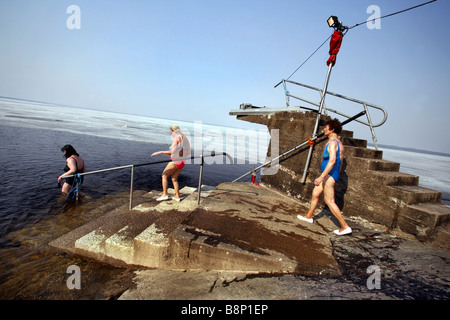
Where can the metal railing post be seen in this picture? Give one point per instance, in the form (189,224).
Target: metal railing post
(131,187)
(374,138)
(286,92)
(199,191)
(316,126)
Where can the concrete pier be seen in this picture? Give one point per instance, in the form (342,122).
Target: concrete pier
(213,249)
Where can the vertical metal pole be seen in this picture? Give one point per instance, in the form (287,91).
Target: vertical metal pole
(75,181)
(286,93)
(199,190)
(374,137)
(316,126)
(324,106)
(131,187)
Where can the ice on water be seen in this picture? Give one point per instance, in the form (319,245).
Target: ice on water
(245,145)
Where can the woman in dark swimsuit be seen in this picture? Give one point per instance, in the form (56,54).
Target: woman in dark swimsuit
(75,164)
(333,156)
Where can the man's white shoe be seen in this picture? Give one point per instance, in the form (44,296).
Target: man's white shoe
(310,220)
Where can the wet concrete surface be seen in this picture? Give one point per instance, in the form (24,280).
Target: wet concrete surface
(407,270)
(262,221)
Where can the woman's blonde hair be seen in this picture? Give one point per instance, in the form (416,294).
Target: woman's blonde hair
(175,128)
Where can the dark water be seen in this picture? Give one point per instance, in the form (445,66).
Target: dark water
(32,212)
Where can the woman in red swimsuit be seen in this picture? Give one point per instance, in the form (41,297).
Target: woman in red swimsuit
(180,149)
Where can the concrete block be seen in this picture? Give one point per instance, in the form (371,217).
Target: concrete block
(92,242)
(414,194)
(393,178)
(194,249)
(150,248)
(420,219)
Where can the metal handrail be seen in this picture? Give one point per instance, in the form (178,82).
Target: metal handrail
(366,106)
(309,141)
(132,166)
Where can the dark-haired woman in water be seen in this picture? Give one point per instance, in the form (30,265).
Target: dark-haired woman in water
(75,164)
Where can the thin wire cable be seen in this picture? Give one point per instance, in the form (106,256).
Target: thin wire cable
(392,14)
(357,25)
(309,57)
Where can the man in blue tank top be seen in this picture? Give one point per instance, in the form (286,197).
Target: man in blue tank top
(331,166)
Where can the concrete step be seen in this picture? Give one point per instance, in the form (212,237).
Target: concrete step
(151,246)
(117,238)
(346,134)
(394,178)
(414,194)
(120,245)
(376,164)
(94,242)
(77,241)
(439,237)
(363,152)
(353,142)
(420,219)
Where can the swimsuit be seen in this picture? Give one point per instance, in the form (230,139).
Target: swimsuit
(337,166)
(180,163)
(70,180)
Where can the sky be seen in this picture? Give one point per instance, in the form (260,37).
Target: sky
(195,60)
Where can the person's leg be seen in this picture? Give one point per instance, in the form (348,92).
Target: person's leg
(66,188)
(170,168)
(317,191)
(176,186)
(329,200)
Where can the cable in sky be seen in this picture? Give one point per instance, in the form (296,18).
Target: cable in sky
(356,25)
(392,14)
(309,57)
